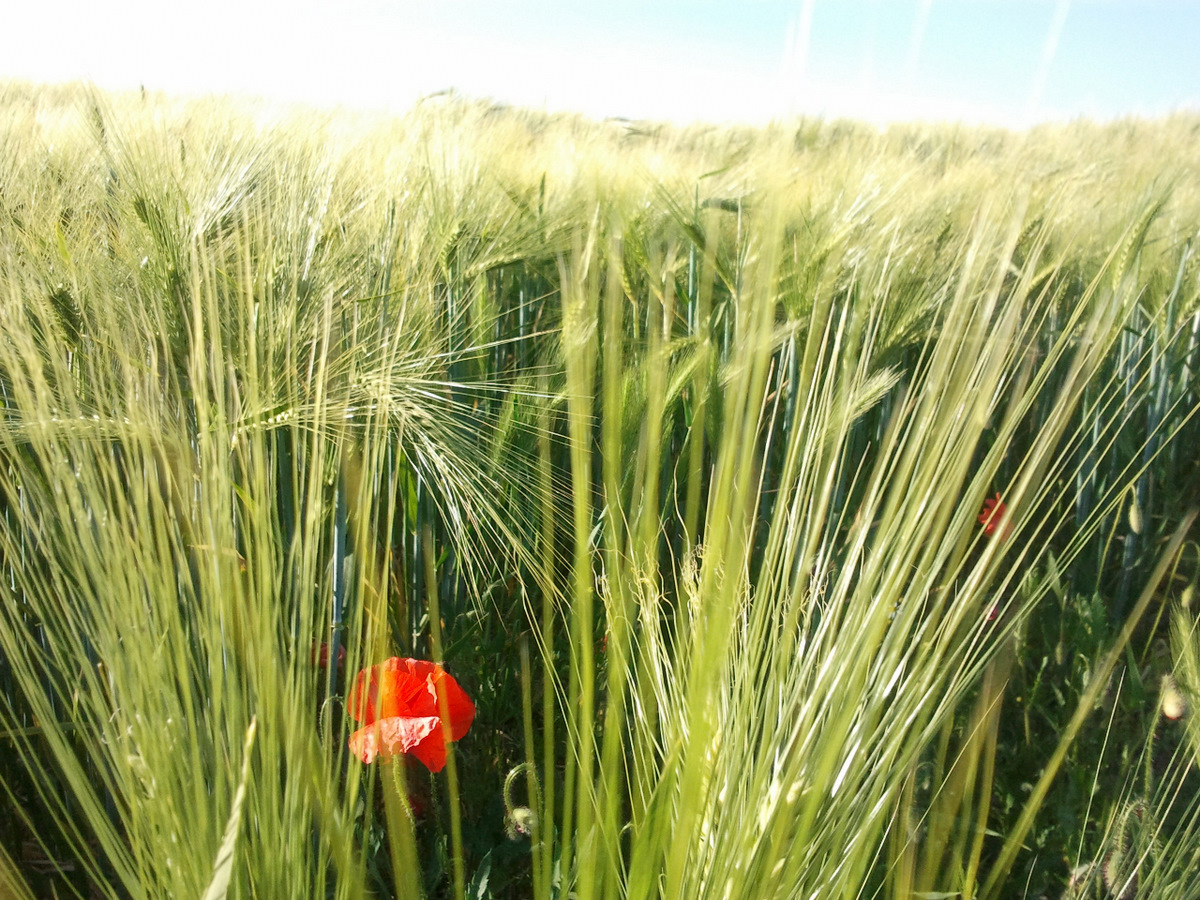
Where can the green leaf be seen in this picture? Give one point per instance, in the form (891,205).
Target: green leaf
(478,888)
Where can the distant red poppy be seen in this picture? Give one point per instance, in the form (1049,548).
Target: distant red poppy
(993,514)
(320,656)
(397,702)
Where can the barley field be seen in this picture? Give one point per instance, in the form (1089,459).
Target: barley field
(485,503)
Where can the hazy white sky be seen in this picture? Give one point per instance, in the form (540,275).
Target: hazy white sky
(1006,61)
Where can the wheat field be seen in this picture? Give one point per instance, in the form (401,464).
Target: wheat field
(803,511)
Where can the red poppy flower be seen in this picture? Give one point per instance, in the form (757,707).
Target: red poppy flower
(397,702)
(320,656)
(992,515)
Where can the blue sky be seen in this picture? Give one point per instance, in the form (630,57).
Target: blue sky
(1011,62)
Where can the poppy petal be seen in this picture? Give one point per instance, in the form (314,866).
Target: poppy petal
(432,750)
(459,709)
(395,687)
(386,738)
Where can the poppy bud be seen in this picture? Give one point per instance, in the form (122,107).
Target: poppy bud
(1172,704)
(521,822)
